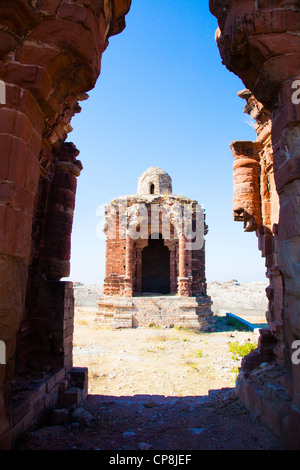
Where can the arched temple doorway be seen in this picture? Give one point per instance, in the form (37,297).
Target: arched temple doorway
(156,267)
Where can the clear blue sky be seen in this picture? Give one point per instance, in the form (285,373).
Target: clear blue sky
(163,99)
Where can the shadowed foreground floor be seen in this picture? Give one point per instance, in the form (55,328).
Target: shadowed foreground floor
(145,422)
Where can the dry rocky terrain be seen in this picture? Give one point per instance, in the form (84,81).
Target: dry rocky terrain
(163,361)
(157,388)
(156,361)
(248,298)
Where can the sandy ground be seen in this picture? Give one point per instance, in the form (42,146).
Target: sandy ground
(156,361)
(242,298)
(165,361)
(156,389)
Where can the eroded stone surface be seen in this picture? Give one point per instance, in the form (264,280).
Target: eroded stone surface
(50,56)
(259,42)
(154,181)
(155,245)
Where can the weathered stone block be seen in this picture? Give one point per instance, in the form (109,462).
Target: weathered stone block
(291,426)
(70,397)
(169,311)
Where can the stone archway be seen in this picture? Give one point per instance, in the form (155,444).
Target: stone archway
(156,277)
(50,56)
(39,172)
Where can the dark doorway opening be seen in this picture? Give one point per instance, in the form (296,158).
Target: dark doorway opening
(156,267)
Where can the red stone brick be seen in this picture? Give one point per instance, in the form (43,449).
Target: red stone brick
(15,232)
(292,426)
(16,15)
(15,123)
(30,77)
(49,7)
(271,417)
(7,42)
(287,173)
(22,100)
(56,55)
(19,165)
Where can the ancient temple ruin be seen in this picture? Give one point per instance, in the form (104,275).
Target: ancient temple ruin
(50,56)
(155,258)
(259,42)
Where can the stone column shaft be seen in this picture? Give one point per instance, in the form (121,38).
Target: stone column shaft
(184,279)
(182,257)
(21,127)
(139,270)
(129,269)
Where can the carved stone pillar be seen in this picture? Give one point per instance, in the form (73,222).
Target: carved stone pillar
(139,270)
(129,270)
(246,188)
(189,262)
(56,243)
(182,256)
(21,127)
(184,279)
(50,53)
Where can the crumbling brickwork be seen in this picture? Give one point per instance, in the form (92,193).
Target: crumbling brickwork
(155,244)
(256,203)
(259,42)
(50,56)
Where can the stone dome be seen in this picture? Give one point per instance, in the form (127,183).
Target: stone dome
(154,181)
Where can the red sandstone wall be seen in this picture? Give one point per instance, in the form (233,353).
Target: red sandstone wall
(259,41)
(256,203)
(50,55)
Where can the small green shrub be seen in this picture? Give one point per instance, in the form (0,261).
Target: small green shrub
(240,350)
(235,370)
(199,353)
